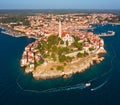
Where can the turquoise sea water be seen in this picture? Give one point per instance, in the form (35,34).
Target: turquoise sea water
(17,88)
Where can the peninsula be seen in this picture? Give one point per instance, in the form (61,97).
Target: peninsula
(63,44)
(62,54)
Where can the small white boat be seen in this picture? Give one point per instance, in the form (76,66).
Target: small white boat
(88,84)
(98,87)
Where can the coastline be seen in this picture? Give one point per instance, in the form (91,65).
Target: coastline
(75,67)
(13,33)
(114,23)
(78,67)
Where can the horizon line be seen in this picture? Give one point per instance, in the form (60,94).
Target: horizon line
(57,9)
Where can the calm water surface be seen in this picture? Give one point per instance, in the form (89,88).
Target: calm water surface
(17,88)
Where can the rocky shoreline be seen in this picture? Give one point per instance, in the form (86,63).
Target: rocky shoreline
(77,66)
(71,69)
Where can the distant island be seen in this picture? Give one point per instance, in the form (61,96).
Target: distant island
(63,45)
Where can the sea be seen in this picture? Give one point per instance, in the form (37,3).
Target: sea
(18,88)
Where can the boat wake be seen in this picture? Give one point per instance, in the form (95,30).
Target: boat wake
(110,70)
(68,88)
(100,86)
(80,86)
(60,89)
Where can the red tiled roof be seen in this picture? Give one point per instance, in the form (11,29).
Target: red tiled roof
(63,34)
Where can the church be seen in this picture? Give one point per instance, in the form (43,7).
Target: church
(65,36)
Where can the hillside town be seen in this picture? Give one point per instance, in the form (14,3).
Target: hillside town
(60,49)
(47,24)
(63,44)
(32,54)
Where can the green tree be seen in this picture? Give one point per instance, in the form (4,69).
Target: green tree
(61,68)
(91,49)
(41,61)
(76,38)
(60,51)
(66,50)
(53,57)
(35,64)
(45,55)
(67,43)
(54,49)
(69,59)
(86,54)
(80,55)
(53,40)
(26,22)
(78,45)
(62,58)
(16,19)
(61,42)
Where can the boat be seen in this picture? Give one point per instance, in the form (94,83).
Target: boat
(79,86)
(109,33)
(98,87)
(88,84)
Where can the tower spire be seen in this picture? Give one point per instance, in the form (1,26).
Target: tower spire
(60,28)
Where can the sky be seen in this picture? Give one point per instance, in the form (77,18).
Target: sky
(59,4)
